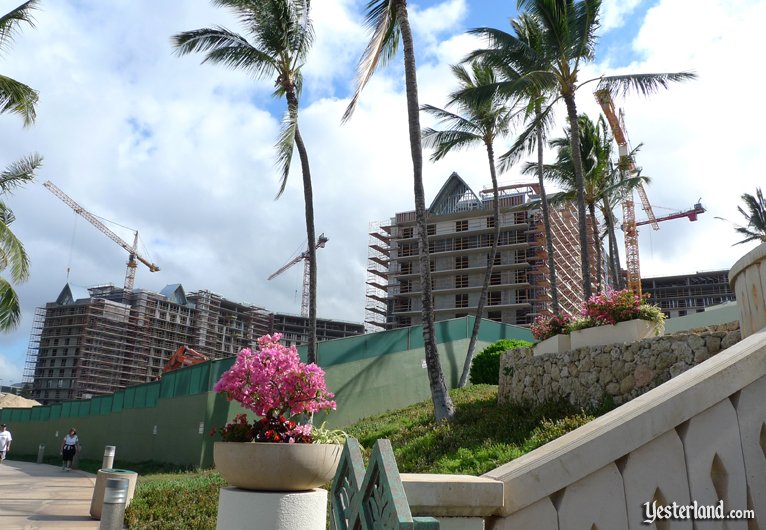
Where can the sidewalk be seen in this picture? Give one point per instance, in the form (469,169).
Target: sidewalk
(44,496)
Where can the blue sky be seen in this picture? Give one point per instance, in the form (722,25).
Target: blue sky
(183,152)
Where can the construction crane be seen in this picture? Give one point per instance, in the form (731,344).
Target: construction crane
(130,274)
(632,262)
(691,213)
(303,256)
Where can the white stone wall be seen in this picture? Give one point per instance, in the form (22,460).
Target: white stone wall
(585,376)
(699,437)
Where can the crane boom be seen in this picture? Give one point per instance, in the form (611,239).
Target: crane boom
(92,219)
(321,241)
(691,214)
(632,260)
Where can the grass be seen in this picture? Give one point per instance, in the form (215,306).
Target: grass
(482,436)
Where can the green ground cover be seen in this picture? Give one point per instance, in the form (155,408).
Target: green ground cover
(482,436)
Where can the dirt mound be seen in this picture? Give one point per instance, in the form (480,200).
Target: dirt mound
(14,401)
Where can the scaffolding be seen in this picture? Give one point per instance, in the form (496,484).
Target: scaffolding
(378,259)
(459,240)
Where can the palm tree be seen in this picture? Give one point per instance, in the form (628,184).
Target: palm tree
(390,24)
(528,34)
(568,40)
(12,254)
(476,122)
(602,183)
(17,97)
(756,218)
(282,35)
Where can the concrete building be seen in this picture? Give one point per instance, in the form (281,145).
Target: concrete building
(460,226)
(295,328)
(684,294)
(95,341)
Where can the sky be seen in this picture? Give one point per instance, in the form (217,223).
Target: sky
(183,152)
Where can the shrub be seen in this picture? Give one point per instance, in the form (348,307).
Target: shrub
(547,326)
(485,369)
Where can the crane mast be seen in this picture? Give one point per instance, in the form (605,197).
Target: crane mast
(130,274)
(303,256)
(632,261)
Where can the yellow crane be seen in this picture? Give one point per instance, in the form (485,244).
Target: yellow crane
(632,262)
(130,274)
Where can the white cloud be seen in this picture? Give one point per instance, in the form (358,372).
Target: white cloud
(614,13)
(184,152)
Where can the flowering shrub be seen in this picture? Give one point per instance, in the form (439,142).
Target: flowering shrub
(612,307)
(546,326)
(600,309)
(273,383)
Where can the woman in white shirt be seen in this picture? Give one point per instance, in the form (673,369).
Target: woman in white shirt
(69,446)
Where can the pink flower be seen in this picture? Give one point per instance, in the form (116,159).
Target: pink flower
(272,382)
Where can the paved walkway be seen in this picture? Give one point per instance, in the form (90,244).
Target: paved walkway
(44,496)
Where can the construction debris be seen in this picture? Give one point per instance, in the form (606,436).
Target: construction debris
(12,401)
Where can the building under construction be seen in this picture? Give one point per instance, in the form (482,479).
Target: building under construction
(684,294)
(95,341)
(460,231)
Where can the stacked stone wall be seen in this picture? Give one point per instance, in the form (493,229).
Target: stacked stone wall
(585,376)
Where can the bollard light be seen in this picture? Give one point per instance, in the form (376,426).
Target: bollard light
(108,461)
(115,497)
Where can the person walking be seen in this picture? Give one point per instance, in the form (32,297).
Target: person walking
(69,446)
(5,441)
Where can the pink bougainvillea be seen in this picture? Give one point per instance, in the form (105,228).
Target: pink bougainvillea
(273,383)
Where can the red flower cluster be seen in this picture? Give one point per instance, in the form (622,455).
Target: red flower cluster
(546,326)
(239,430)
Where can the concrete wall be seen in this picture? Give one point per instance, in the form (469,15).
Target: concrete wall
(699,437)
(585,376)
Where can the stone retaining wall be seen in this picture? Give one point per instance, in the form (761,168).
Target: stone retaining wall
(624,371)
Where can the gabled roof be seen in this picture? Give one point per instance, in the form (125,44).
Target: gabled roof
(70,294)
(455,196)
(175,293)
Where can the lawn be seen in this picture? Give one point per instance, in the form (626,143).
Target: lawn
(482,436)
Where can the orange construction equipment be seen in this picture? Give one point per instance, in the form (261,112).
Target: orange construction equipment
(629,224)
(184,356)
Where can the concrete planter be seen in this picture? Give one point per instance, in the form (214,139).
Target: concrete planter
(276,466)
(555,344)
(748,281)
(620,333)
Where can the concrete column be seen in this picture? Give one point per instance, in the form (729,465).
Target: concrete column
(299,510)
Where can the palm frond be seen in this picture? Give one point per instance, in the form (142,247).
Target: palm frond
(18,98)
(230,49)
(15,257)
(19,172)
(11,21)
(381,18)
(644,84)
(10,308)
(285,146)
(444,142)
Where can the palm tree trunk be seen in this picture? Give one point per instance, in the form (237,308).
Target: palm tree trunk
(444,409)
(597,243)
(308,196)
(488,274)
(574,139)
(614,255)
(546,220)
